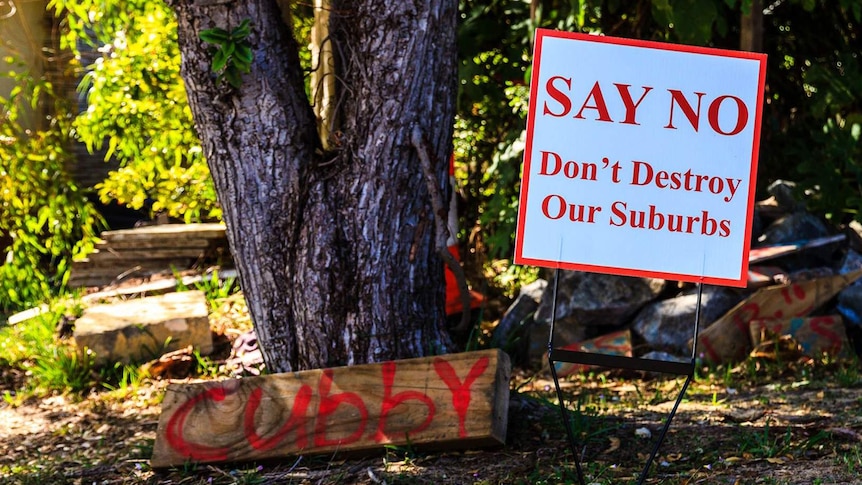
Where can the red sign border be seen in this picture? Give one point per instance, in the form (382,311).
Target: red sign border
(531,118)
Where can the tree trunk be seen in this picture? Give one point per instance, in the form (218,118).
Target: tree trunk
(334,248)
(751,28)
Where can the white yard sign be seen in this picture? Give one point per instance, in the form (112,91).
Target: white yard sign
(640,158)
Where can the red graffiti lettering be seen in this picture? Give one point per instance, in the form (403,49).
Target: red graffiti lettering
(460,391)
(795,294)
(329,404)
(745,315)
(174,431)
(710,352)
(820,326)
(390,401)
(798,293)
(316,414)
(297,421)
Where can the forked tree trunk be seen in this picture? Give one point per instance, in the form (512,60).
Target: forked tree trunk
(334,249)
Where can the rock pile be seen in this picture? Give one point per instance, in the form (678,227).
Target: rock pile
(802,286)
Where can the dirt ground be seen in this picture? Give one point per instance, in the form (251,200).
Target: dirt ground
(763,422)
(794,428)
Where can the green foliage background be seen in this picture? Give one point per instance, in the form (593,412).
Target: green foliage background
(137,108)
(813,114)
(45,219)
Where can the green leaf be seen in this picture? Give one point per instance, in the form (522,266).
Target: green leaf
(112,147)
(219,60)
(233,77)
(662,12)
(242,68)
(244,53)
(240,64)
(242,31)
(693,20)
(229,48)
(214,36)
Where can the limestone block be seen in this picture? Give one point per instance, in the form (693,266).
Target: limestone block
(144,329)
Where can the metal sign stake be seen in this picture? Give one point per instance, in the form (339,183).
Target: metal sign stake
(620,362)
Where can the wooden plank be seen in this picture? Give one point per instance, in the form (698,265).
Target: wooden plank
(85,272)
(158,287)
(815,335)
(165,231)
(106,280)
(97,281)
(728,339)
(101,267)
(106,273)
(143,329)
(451,401)
(116,254)
(757,255)
(19,317)
(760,276)
(155,243)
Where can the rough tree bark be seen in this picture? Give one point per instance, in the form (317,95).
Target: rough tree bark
(334,248)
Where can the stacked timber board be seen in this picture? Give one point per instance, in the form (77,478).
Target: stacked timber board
(148,250)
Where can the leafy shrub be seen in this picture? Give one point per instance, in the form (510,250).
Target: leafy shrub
(137,110)
(45,219)
(814,114)
(54,364)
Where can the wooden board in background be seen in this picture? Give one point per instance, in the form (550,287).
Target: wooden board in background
(167,231)
(728,339)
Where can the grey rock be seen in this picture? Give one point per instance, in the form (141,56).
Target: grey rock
(850,304)
(798,226)
(534,290)
(801,227)
(537,351)
(519,314)
(808,274)
(592,299)
(784,193)
(669,324)
(756,226)
(852,262)
(856,227)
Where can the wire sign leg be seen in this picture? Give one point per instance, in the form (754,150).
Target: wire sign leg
(679,368)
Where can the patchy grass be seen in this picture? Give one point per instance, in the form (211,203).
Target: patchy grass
(763,422)
(784,430)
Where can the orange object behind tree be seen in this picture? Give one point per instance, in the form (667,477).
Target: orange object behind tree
(453,298)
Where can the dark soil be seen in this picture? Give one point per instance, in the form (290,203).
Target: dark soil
(792,427)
